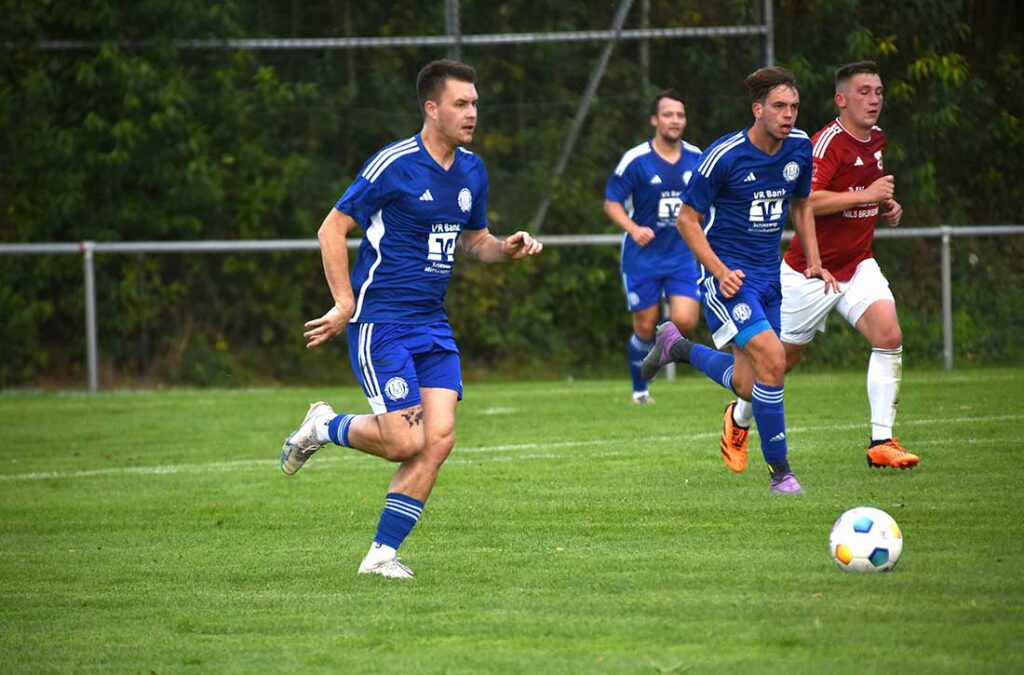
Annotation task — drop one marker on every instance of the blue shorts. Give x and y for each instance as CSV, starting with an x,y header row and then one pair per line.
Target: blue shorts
x,y
643,290
756,308
392,361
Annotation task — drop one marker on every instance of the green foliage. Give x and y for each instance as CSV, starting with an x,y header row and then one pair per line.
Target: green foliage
x,y
156,142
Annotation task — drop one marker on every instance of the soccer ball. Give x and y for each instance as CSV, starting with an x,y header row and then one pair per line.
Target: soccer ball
x,y
865,539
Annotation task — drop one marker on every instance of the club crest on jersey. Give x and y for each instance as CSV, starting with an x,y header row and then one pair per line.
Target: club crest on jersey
x,y
791,171
396,388
465,200
740,312
686,177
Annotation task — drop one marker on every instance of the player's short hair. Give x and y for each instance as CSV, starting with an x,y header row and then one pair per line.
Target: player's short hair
x,y
761,82
432,78
846,73
671,94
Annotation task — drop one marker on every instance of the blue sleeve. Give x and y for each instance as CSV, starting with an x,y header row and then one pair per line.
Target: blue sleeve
x,y
803,183
478,216
619,188
702,190
363,198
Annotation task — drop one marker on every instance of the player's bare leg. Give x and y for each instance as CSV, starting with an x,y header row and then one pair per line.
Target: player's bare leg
x,y
879,324
413,481
684,312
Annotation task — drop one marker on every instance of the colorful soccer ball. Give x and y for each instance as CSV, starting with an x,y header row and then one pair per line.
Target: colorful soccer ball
x,y
865,539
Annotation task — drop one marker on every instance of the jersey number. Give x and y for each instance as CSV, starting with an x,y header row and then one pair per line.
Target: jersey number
x,y
441,246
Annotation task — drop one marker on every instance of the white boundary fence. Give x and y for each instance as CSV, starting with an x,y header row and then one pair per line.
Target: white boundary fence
x,y
89,249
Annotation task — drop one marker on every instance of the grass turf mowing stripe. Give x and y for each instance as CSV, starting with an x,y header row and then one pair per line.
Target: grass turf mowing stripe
x,y
213,467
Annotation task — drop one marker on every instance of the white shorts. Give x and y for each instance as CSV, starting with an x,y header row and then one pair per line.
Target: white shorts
x,y
805,306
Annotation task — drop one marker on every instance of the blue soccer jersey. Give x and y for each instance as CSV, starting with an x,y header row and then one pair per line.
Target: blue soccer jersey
x,y
744,194
650,188
411,210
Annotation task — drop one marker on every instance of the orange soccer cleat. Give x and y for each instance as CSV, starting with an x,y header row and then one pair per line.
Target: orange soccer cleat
x,y
891,453
734,441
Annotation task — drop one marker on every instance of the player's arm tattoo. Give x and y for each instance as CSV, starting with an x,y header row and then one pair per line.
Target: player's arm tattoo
x,y
414,416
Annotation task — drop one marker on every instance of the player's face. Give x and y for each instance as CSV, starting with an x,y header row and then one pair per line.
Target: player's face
x,y
777,115
670,122
860,100
455,111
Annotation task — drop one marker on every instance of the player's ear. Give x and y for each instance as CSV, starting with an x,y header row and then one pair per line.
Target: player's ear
x,y
430,109
757,108
654,120
840,100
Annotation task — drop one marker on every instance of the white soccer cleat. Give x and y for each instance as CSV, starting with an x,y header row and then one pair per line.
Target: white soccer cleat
x,y
303,442
392,568
643,398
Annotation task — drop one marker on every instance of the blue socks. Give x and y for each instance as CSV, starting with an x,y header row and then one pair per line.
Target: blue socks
x,y
771,422
637,350
337,429
401,512
713,363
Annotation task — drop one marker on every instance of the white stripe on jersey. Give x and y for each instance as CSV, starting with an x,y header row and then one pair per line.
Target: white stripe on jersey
x,y
709,162
387,152
799,133
462,149
373,234
379,170
691,147
630,155
821,146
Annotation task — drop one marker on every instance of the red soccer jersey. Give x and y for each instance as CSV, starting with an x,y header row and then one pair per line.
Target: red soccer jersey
x,y
843,162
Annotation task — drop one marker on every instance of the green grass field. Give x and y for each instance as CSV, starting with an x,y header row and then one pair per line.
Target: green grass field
x,y
569,532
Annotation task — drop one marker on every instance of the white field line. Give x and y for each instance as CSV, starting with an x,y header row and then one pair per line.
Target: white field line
x,y
457,457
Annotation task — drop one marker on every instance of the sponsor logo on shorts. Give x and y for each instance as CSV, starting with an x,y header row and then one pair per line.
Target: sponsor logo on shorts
x,y
791,171
741,312
396,388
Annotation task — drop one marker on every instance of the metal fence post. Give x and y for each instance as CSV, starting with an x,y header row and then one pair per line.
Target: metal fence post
x,y
947,300
88,248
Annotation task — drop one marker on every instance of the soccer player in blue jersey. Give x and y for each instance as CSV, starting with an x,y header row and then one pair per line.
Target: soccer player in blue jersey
x,y
417,201
643,198
744,186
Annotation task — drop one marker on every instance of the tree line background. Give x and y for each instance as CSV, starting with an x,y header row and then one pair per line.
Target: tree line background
x,y
160,143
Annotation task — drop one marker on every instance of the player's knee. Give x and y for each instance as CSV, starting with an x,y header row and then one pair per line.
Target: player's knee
x,y
891,338
772,369
644,329
440,446
402,447
793,357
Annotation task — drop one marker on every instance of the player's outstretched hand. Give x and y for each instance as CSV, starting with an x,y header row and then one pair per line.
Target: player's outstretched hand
x,y
731,282
819,272
892,211
520,245
323,329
